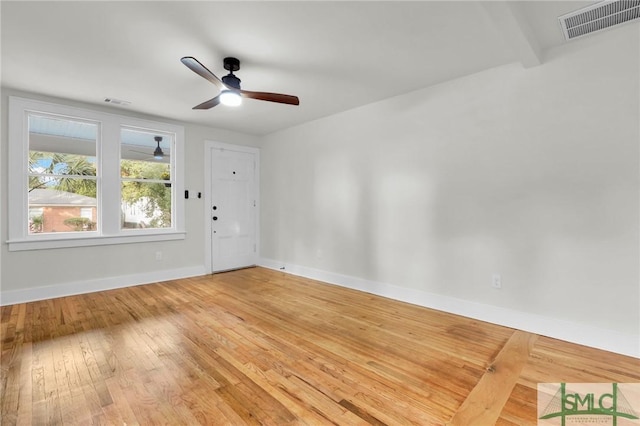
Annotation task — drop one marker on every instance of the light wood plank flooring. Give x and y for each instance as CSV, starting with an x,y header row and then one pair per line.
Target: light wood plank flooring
x,y
262,347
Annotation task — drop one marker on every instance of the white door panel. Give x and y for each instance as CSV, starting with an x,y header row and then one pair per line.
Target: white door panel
x,y
233,209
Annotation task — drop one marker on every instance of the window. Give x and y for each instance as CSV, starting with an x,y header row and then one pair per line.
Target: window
x,y
80,177
145,179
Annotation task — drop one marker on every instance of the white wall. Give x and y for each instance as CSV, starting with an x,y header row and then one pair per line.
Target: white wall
x,y
531,173
48,273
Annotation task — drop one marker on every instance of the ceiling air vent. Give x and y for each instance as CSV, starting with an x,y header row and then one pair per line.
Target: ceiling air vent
x,y
599,16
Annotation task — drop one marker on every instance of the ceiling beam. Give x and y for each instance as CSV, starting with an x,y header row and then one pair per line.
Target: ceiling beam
x,y
512,23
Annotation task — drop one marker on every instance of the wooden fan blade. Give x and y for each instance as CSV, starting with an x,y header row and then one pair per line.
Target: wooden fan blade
x,y
150,154
195,66
208,104
271,97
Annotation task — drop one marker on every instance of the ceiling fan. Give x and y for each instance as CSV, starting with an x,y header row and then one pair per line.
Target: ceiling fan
x,y
230,92
158,153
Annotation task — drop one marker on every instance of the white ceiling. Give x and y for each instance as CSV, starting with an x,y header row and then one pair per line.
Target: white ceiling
x,y
333,55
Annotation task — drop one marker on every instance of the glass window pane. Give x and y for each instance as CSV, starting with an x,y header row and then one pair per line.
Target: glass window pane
x,y
86,212
145,155
61,146
135,169
55,163
63,205
146,205
36,216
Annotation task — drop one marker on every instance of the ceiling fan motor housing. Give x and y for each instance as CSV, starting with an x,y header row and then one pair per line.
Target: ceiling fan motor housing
x,y
232,81
231,65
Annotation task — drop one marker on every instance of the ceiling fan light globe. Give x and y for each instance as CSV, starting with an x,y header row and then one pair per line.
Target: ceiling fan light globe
x,y
230,98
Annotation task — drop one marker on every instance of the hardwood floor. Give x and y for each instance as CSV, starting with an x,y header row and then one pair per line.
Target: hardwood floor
x,y
262,347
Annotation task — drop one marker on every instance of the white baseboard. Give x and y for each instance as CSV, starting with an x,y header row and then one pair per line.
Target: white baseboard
x,y
606,339
81,287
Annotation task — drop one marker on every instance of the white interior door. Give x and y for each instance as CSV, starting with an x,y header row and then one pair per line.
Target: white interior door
x,y
233,209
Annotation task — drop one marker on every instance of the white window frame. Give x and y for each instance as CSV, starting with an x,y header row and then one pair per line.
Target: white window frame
x,y
108,179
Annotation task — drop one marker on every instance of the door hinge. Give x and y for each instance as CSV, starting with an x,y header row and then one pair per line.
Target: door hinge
x,y
254,248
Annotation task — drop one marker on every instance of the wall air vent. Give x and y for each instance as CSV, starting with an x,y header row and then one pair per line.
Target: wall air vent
x,y
599,16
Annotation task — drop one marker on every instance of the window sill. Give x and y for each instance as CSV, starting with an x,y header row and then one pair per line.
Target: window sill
x,y
66,242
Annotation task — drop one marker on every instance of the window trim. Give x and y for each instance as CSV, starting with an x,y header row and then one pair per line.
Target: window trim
x,y
108,179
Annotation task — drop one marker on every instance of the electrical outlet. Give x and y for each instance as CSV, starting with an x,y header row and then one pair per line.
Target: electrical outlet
x,y
158,255
496,281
